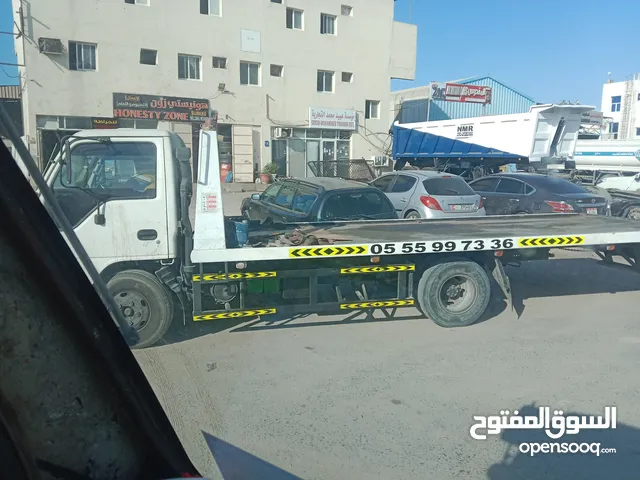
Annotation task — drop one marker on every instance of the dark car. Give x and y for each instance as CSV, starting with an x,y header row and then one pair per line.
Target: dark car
x,y
511,193
317,200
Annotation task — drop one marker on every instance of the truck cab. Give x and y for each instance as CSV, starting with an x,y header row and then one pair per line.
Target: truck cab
x,y
118,190
126,193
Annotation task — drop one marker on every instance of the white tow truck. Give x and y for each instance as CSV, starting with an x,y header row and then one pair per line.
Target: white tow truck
x,y
127,194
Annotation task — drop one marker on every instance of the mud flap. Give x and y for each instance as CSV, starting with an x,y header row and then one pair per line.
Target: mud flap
x,y
500,276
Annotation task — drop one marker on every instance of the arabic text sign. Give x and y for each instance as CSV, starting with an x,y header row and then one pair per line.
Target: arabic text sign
x,y
592,118
155,107
332,118
555,426
458,92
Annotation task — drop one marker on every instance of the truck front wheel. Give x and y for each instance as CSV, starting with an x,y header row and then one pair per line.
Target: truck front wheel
x,y
144,302
454,294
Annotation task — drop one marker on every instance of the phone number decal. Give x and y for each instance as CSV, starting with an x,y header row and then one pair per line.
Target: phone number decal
x,y
445,246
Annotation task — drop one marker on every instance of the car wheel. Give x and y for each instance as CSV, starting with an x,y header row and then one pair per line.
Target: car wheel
x,y
413,215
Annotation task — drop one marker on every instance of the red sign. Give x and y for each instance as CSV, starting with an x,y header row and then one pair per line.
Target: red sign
x,y
459,92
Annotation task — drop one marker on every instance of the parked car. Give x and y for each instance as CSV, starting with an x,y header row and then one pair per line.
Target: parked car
x,y
317,200
511,193
628,183
429,194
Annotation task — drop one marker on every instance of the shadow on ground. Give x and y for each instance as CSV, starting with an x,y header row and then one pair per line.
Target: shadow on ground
x,y
621,465
537,279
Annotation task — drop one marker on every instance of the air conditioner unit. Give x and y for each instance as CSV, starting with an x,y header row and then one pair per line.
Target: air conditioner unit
x,y
381,161
282,132
52,46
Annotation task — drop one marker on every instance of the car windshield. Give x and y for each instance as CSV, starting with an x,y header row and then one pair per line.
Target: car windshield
x,y
447,186
344,232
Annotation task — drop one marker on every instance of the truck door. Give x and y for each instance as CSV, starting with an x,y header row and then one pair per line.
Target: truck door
x,y
113,194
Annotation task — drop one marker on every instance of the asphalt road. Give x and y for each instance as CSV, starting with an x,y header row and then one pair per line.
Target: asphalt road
x,y
333,398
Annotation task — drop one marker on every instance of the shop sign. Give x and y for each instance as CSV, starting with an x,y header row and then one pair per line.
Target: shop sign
x,y
458,92
154,107
101,123
332,118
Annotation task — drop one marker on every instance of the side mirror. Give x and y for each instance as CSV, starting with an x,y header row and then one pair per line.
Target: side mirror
x,y
255,196
637,178
183,154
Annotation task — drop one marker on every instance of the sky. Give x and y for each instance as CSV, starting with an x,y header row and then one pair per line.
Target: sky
x,y
550,50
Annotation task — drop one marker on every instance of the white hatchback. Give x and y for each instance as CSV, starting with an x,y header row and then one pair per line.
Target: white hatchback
x,y
429,194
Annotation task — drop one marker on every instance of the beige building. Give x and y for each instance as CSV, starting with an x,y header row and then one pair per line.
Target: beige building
x,y
291,81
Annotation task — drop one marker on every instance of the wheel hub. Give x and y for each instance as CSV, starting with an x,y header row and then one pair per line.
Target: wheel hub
x,y
134,307
454,292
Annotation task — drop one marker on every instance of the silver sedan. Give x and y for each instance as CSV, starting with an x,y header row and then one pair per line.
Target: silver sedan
x,y
429,194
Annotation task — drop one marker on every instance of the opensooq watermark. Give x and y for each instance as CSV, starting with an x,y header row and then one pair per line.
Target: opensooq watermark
x,y
554,423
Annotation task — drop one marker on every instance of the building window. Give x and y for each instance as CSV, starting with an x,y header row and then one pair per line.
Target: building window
x,y
276,70
277,1
371,109
615,103
613,130
148,57
637,132
327,24
325,81
211,7
294,19
347,77
137,2
188,67
220,62
347,11
249,73
82,56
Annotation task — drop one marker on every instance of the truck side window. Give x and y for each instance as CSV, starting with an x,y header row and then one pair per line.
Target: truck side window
x,y
105,171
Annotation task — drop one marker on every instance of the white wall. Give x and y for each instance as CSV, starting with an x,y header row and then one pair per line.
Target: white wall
x,y
368,43
618,89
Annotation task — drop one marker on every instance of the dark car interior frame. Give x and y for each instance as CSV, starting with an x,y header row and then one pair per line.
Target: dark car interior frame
x,y
74,403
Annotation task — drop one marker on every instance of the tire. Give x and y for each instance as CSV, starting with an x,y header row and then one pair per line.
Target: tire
x,y
412,215
144,302
434,303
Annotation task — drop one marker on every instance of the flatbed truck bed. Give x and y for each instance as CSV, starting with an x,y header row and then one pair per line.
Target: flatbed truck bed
x,y
400,237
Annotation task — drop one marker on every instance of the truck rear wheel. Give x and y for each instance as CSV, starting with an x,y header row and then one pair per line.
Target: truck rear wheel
x,y
145,303
454,294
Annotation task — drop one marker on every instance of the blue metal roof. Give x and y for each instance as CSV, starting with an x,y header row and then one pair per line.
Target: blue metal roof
x,y
505,100
409,143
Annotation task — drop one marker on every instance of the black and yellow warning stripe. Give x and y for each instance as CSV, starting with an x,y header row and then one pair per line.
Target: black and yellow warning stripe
x,y
550,241
377,304
256,312
213,277
342,251
378,269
